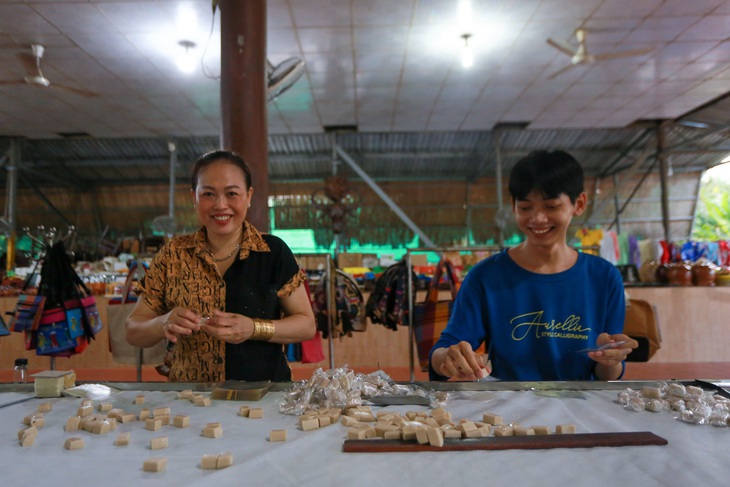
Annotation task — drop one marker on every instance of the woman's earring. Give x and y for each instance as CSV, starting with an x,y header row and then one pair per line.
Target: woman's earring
x,y
249,205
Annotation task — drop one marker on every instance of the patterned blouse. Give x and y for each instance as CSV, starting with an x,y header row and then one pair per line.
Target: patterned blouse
x,y
184,274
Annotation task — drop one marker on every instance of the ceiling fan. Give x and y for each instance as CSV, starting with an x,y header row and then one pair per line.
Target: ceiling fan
x,y
282,76
36,78
580,55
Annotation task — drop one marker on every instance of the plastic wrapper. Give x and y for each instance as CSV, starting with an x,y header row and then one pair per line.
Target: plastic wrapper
x,y
343,388
689,404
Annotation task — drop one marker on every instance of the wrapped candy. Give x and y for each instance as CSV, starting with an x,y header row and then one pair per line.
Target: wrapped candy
x,y
343,388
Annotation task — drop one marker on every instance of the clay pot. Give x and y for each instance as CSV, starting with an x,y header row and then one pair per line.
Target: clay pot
x,y
703,273
662,272
679,274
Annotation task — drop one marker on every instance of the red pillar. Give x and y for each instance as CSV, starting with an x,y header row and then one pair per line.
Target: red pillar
x,y
243,95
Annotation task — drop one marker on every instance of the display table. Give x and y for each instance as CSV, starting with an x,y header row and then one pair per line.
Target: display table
x,y
694,455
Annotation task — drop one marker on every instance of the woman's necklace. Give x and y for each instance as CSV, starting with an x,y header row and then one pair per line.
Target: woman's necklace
x,y
238,246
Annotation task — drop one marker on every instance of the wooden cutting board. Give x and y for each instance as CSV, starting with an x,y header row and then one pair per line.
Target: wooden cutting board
x,y
579,440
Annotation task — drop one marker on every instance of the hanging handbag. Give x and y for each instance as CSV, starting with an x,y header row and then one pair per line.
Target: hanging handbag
x,y
28,310
118,311
61,331
431,317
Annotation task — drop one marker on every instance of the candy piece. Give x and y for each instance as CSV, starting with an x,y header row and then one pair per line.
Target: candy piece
x,y
393,435
27,440
72,423
144,414
186,394
100,427
164,411
209,462
355,434
451,433
651,392
153,424
181,421
213,431
122,439
105,407
410,430
310,424
158,443
35,419
524,431
126,418
565,429
324,421
504,431
27,436
655,405
256,413
155,464
74,443
334,414
139,400
465,426
540,429
243,411
435,437
224,460
422,435
45,407
277,435
491,418
348,421
677,390
31,430
202,401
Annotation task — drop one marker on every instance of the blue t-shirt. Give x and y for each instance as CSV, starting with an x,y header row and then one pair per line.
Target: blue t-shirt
x,y
534,324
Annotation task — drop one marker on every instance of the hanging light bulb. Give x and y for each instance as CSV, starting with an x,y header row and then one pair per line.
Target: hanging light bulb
x,y
467,56
186,60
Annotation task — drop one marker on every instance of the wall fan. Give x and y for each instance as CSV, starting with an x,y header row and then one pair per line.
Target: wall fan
x,y
282,76
579,54
164,224
36,78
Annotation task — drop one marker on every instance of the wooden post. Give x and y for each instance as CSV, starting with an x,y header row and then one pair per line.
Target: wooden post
x,y
243,95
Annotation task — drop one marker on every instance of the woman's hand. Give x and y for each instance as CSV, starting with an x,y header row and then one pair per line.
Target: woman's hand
x,y
460,362
229,327
180,321
613,355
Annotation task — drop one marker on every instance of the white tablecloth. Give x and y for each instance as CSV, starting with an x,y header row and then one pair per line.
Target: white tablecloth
x,y
695,455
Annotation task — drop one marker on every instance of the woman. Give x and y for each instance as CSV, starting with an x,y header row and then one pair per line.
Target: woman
x,y
541,305
227,296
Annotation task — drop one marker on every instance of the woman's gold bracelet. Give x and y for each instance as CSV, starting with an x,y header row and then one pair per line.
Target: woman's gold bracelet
x,y
263,330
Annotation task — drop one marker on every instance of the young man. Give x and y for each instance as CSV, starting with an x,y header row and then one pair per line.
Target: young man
x,y
541,305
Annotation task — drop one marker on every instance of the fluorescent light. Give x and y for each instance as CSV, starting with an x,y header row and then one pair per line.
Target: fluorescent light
x,y
463,11
185,60
467,56
187,20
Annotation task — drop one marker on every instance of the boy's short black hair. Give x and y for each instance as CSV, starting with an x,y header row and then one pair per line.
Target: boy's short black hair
x,y
552,173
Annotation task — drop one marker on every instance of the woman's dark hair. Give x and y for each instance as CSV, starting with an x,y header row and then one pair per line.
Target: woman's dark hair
x,y
552,173
220,155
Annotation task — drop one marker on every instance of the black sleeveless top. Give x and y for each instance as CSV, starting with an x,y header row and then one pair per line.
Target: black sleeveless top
x,y
251,290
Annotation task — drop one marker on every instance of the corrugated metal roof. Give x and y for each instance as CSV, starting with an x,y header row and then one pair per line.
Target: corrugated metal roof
x,y
383,156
